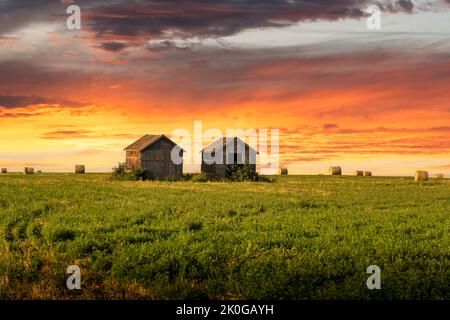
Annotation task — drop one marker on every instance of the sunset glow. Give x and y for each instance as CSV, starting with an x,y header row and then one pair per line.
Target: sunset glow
x,y
339,93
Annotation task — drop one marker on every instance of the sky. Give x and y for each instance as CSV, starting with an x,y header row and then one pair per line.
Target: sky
x,y
339,92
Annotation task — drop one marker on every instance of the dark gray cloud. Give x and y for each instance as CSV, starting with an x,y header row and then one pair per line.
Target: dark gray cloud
x,y
17,14
212,18
12,102
113,46
407,5
152,19
169,45
24,83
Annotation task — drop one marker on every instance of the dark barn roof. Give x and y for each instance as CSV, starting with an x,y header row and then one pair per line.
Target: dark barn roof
x,y
223,142
146,141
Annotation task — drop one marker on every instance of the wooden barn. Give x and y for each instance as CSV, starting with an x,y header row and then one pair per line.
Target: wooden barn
x,y
230,151
153,153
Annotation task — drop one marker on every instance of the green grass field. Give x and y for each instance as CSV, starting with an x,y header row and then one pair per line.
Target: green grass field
x,y
300,237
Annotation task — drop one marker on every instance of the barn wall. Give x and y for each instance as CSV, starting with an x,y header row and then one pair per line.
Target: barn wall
x,y
157,161
219,170
133,159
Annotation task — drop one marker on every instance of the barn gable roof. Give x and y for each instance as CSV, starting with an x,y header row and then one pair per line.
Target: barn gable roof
x,y
145,142
223,142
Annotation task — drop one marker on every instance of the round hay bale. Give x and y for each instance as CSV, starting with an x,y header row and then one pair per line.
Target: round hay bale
x,y
283,171
439,176
80,169
28,170
39,171
335,171
4,170
421,175
367,173
359,173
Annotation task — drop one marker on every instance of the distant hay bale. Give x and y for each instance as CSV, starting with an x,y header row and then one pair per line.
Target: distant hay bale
x,y
359,173
439,176
421,175
367,173
28,170
335,171
283,171
39,171
4,170
80,169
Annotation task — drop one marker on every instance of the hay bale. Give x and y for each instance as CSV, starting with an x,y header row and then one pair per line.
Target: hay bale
x,y
283,171
359,173
39,171
439,176
421,175
28,170
335,171
367,173
4,170
80,169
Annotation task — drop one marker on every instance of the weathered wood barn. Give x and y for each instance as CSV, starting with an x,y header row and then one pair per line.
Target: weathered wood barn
x,y
227,151
153,153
